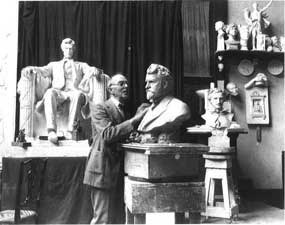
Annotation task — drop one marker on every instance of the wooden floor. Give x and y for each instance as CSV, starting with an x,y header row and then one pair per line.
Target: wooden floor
x,y
252,212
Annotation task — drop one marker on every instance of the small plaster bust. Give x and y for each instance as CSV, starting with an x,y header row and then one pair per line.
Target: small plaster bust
x,y
233,37
216,117
232,89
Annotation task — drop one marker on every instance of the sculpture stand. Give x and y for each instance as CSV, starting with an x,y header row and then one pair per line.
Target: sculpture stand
x,y
163,178
221,163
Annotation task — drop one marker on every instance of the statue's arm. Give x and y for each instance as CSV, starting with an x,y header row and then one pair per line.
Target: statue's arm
x,y
89,71
267,6
44,71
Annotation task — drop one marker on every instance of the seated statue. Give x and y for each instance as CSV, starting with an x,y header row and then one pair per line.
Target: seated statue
x,y
166,114
216,117
55,84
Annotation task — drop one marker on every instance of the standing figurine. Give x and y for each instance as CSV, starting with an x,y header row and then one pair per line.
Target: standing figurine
x,y
219,27
257,21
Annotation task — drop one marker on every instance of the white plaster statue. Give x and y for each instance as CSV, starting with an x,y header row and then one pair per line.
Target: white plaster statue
x,y
166,115
244,36
233,42
219,27
216,116
257,20
59,82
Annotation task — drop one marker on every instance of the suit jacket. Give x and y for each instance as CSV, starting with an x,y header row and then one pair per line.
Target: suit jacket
x,y
55,70
165,119
104,160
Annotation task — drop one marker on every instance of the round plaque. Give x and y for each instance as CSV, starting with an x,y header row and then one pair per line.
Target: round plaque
x,y
275,67
245,67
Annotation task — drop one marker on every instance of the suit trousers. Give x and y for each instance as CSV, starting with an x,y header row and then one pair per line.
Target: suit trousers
x,y
108,206
54,97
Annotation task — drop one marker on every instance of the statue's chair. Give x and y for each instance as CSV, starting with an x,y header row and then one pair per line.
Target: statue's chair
x,y
29,190
32,88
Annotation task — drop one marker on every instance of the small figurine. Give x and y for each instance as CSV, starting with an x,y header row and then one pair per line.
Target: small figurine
x,y
219,27
244,36
21,136
282,43
232,43
275,45
21,140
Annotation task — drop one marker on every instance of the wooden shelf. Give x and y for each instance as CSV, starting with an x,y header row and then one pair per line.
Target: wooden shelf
x,y
251,54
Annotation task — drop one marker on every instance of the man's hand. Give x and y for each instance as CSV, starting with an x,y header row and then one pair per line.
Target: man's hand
x,y
142,107
141,111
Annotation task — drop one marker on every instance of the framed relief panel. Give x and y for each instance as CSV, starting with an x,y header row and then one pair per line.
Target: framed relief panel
x,y
257,108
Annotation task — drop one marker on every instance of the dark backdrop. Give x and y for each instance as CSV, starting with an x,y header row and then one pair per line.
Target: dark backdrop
x,y
117,36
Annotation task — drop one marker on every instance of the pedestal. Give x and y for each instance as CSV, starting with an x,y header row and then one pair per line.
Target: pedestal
x,y
163,178
167,162
146,197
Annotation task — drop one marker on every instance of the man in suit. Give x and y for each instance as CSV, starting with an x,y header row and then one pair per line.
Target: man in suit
x,y
104,171
66,77
164,118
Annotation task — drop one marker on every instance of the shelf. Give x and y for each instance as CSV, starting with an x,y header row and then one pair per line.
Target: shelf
x,y
251,54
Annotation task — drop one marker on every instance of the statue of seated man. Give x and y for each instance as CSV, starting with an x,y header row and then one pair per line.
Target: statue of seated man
x,y
216,117
66,78
166,114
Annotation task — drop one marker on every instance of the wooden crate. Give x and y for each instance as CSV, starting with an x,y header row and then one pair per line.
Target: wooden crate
x,y
146,197
177,161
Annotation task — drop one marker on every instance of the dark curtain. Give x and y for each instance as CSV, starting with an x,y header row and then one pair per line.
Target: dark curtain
x,y
156,37
195,17
117,36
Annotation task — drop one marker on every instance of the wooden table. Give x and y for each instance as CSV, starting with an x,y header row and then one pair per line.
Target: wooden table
x,y
66,200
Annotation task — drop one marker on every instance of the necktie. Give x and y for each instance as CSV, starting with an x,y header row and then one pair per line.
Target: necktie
x,y
122,109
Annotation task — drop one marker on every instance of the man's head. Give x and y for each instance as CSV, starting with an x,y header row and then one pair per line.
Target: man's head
x,y
68,48
118,87
216,98
158,82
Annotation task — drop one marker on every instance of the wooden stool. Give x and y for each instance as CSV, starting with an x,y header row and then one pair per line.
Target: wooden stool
x,y
218,166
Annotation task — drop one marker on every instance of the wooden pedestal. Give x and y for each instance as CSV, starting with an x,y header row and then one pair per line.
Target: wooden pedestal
x,y
146,197
165,162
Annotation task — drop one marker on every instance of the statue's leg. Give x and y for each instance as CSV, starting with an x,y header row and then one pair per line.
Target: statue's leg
x,y
77,99
50,105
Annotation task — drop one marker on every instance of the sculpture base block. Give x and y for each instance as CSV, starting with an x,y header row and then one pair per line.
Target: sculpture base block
x,y
145,197
174,162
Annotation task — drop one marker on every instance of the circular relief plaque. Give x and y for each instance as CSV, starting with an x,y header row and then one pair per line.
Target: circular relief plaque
x,y
275,67
245,67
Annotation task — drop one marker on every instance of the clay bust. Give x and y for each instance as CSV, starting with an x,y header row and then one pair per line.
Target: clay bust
x,y
233,37
216,117
65,85
165,116
219,27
